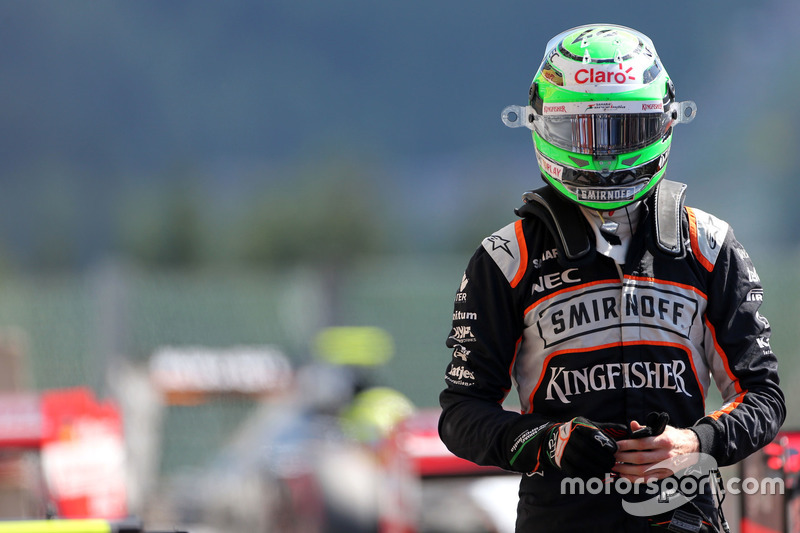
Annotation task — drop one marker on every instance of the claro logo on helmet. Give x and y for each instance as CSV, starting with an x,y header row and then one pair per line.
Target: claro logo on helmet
x,y
592,75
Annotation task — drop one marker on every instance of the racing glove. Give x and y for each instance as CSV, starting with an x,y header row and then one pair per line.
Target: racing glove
x,y
655,424
579,447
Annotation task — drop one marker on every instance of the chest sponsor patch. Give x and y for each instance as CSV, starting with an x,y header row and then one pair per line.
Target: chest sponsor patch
x,y
562,383
597,308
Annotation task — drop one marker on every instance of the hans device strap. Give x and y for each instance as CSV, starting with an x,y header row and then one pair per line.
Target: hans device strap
x,y
564,221
574,240
668,203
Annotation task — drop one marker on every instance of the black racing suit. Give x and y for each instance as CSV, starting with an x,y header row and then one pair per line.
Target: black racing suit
x,y
610,343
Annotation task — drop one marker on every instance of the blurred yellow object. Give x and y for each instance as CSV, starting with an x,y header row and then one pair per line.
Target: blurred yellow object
x,y
90,525
374,412
354,345
57,526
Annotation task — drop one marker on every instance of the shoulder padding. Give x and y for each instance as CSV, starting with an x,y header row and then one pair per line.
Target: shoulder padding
x,y
507,248
707,233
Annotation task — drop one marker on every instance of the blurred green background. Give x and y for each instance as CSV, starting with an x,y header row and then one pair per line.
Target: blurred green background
x,y
226,173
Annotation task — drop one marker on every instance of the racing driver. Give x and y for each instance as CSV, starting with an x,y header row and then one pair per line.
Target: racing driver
x,y
609,305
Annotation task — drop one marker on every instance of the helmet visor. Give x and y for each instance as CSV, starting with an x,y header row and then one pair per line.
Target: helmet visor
x,y
603,134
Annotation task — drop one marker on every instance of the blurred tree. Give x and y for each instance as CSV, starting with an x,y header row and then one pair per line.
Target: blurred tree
x,y
54,220
161,226
328,213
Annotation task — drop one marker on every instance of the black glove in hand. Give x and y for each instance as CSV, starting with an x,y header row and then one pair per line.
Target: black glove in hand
x,y
580,448
655,424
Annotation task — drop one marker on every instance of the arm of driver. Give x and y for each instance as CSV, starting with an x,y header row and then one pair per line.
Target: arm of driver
x,y
636,457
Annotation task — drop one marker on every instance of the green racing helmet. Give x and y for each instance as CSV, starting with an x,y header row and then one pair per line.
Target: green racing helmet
x,y
601,108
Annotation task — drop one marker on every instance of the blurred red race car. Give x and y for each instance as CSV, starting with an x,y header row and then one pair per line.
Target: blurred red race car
x,y
62,454
427,489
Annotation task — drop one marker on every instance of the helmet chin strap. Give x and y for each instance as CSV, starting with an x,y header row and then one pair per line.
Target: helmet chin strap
x,y
611,219
608,226
613,229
